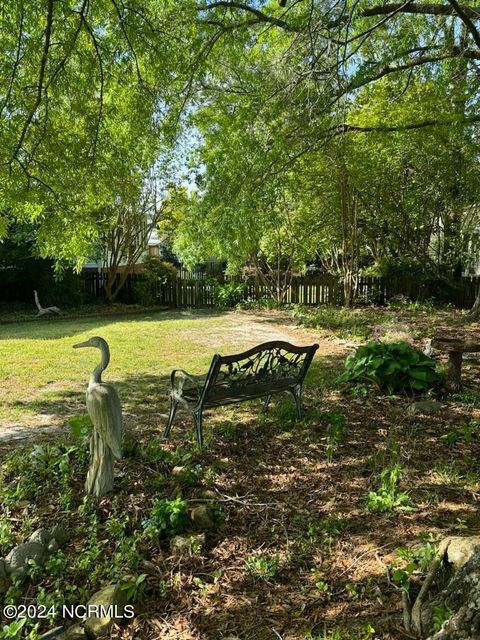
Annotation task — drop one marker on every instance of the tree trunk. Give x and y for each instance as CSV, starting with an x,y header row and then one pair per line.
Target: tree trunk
x,y
108,286
461,597
458,602
454,380
348,205
474,312
112,291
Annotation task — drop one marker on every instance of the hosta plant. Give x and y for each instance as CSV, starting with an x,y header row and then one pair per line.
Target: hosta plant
x,y
392,366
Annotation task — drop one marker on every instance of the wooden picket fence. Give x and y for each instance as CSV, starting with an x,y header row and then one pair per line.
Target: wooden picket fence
x,y
196,291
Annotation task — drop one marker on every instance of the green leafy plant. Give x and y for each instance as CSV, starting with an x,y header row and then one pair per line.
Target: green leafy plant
x,y
440,615
320,583
116,526
470,397
388,498
410,561
154,452
316,533
394,366
6,535
335,433
80,425
134,587
451,437
13,630
168,517
262,567
465,432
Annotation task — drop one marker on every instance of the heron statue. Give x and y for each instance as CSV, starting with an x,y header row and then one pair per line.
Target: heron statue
x,y
45,311
105,411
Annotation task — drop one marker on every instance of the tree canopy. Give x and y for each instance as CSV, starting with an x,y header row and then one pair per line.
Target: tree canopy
x,y
90,99
326,132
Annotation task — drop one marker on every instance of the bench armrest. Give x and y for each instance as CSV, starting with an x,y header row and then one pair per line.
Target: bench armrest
x,y
178,379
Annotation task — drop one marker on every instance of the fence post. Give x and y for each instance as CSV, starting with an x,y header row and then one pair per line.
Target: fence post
x,y
294,290
197,302
175,293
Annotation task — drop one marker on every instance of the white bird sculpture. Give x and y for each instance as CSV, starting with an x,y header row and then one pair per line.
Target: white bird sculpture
x,y
428,349
105,411
44,311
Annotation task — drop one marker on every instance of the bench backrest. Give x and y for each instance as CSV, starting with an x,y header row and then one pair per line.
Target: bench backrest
x,y
268,366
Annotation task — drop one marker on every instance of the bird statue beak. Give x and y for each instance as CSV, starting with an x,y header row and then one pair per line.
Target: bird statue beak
x,y
79,345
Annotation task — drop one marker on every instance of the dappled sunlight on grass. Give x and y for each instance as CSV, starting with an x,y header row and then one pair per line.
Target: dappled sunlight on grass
x,y
41,373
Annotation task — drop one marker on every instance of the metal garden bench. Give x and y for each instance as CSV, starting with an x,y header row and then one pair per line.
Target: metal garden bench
x,y
269,368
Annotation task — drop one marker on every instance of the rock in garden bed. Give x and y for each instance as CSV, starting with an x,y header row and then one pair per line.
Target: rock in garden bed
x,y
202,518
39,546
113,599
185,545
425,406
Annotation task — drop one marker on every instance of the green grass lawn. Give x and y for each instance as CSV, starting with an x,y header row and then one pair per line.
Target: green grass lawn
x,y
40,370
43,375
44,378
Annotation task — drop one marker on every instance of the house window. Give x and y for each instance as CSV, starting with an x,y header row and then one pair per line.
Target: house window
x,y
153,250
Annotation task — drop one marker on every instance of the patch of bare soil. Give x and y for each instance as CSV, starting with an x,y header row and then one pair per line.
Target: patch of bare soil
x,y
243,326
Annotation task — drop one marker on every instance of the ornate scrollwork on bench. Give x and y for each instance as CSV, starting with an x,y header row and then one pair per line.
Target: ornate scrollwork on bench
x,y
272,364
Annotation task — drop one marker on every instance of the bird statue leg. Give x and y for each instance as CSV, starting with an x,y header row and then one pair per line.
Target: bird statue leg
x,y
100,473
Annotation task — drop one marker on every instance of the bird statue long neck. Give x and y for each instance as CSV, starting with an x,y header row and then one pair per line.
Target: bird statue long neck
x,y
37,301
96,376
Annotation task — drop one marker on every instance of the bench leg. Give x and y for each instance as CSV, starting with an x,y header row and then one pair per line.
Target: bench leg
x,y
198,417
266,402
171,416
297,394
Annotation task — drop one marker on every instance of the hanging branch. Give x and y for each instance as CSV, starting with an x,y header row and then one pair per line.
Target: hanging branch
x,y
98,54
16,62
467,20
129,43
40,83
61,65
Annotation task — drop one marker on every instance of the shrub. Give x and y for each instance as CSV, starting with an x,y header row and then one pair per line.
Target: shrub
x,y
394,366
156,272
227,295
344,322
264,303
